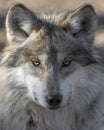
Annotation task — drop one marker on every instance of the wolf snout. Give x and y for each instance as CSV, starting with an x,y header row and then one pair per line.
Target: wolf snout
x,y
54,100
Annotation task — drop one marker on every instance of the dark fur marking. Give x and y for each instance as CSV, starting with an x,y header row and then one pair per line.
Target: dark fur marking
x,y
31,124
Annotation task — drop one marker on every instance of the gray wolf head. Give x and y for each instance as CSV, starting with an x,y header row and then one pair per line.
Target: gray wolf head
x,y
49,54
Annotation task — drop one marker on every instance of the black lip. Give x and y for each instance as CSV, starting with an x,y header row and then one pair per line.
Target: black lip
x,y
54,108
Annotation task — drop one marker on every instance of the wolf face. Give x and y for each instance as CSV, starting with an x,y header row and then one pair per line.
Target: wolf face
x,y
49,54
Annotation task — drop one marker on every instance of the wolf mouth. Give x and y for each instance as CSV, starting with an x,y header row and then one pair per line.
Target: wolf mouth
x,y
54,108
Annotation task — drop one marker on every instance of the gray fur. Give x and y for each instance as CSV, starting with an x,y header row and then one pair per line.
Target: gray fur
x,y
24,86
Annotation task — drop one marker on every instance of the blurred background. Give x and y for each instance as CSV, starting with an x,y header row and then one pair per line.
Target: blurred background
x,y
51,5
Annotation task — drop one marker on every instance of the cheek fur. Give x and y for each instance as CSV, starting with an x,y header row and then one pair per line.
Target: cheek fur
x,y
35,86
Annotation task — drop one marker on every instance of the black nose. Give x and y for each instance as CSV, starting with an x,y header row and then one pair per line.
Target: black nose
x,y
54,100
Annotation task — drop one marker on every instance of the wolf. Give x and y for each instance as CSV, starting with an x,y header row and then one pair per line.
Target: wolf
x,y
51,74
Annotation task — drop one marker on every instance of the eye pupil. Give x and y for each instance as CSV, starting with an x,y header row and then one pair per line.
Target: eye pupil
x,y
35,62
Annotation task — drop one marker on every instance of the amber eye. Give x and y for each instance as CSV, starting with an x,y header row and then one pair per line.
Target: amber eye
x,y
67,62
35,62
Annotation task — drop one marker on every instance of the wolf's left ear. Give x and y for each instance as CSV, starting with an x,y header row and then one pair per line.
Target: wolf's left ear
x,y
83,22
20,22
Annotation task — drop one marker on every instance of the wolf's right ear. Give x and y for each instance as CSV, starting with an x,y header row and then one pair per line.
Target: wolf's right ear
x,y
82,22
20,22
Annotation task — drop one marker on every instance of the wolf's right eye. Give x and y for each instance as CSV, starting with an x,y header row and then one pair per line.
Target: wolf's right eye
x,y
35,62
67,62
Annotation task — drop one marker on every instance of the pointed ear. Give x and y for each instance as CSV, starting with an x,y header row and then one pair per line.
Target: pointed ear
x,y
83,22
20,22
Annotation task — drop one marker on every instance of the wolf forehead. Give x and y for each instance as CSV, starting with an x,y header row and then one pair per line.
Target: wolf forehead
x,y
48,40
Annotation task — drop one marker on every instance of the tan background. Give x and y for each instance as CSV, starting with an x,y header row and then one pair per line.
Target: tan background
x,y
50,5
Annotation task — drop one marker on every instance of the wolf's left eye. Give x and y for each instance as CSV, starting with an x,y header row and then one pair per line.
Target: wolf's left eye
x,y
67,62
35,62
